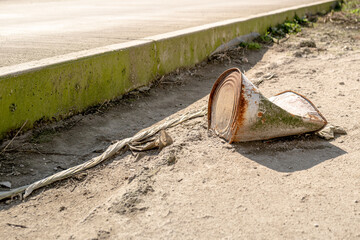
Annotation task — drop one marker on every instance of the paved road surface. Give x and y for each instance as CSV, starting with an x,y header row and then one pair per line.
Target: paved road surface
x,y
35,29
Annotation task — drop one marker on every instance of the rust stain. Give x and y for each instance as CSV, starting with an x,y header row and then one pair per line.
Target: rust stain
x,y
217,83
240,113
313,117
260,114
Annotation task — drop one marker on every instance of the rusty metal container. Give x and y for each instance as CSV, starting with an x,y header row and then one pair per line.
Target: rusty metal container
x,y
238,112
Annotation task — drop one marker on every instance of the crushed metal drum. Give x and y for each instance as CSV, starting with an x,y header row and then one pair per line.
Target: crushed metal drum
x,y
238,112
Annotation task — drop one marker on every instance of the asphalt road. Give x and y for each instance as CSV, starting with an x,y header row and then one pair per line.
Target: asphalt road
x,y
32,30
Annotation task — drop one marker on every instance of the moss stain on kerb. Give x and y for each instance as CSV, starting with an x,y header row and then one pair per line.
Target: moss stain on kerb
x,y
67,88
64,89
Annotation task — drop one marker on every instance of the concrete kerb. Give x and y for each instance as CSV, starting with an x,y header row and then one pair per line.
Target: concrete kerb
x,y
57,87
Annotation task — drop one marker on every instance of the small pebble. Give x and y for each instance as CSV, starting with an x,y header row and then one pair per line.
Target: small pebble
x,y
316,225
356,201
227,146
341,83
308,43
298,54
346,48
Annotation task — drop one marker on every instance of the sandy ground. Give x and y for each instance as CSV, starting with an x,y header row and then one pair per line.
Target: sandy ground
x,y
201,187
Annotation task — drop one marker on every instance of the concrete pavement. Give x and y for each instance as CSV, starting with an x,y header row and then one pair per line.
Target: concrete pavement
x,y
32,30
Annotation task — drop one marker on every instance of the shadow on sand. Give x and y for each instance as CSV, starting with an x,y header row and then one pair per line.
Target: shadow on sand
x,y
290,154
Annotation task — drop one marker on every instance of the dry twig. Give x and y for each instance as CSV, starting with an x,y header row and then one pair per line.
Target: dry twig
x,y
14,137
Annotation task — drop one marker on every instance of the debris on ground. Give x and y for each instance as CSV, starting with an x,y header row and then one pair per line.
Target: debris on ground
x,y
238,112
159,141
248,38
330,131
307,43
6,184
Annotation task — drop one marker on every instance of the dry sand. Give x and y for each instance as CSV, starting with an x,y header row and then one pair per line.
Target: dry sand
x,y
201,187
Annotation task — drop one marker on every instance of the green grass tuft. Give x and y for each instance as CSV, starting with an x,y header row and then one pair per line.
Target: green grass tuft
x,y
350,7
288,27
251,45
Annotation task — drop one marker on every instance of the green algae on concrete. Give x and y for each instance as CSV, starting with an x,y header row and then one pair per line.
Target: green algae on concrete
x,y
63,89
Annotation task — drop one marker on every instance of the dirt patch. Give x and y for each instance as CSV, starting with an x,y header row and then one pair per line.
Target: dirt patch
x,y
200,186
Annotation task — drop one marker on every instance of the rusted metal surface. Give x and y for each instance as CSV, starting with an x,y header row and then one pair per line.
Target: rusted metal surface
x,y
226,104
238,112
